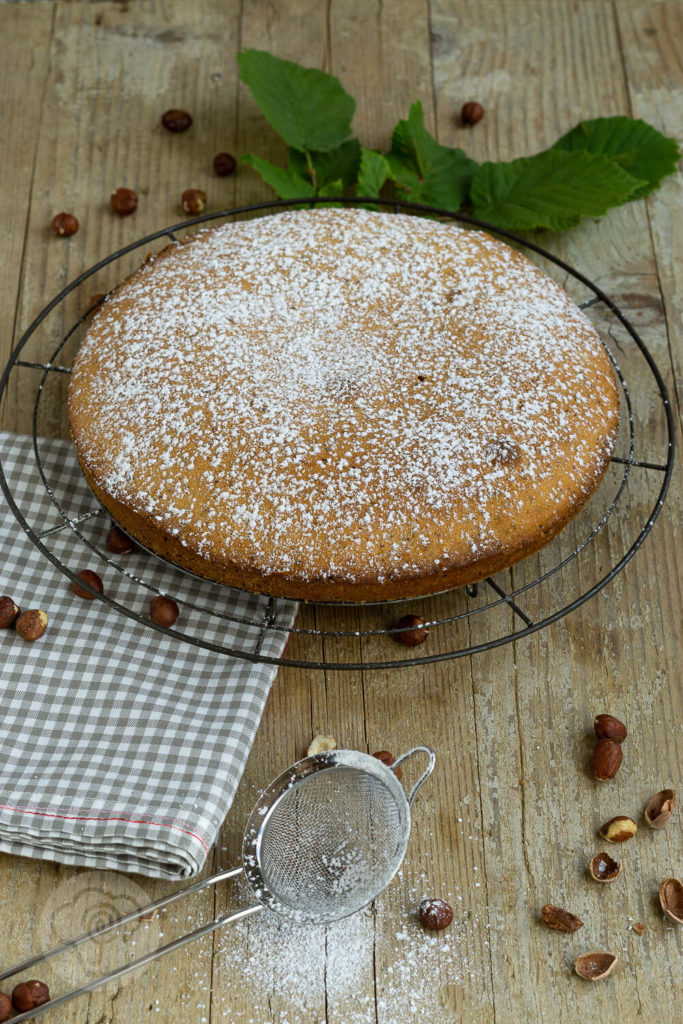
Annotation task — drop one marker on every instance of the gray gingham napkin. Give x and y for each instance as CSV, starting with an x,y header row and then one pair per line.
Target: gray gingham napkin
x,y
119,746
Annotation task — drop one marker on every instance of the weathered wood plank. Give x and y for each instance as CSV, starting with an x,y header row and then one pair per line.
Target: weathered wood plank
x,y
538,70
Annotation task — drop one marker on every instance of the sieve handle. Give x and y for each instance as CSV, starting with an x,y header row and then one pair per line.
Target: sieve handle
x,y
426,773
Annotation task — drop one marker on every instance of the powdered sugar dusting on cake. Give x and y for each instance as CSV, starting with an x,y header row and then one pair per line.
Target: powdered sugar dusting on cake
x,y
346,375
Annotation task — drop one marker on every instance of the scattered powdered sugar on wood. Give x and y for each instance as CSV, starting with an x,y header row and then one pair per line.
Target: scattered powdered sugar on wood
x,y
381,381
359,971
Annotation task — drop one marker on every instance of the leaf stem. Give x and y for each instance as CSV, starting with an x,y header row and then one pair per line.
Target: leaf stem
x,y
311,171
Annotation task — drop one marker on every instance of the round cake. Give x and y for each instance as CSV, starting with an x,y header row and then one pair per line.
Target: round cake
x,y
342,405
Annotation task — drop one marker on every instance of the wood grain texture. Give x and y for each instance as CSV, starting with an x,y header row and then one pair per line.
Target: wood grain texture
x,y
508,822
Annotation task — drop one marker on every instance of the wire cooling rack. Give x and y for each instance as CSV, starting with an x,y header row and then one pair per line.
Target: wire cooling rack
x,y
509,606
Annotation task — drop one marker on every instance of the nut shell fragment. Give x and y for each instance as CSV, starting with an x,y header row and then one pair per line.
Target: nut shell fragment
x,y
671,899
320,744
559,919
596,965
618,829
660,808
603,868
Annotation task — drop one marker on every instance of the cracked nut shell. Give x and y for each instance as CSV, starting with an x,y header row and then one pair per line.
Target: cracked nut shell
x,y
671,899
660,808
388,759
596,965
414,631
5,1007
9,612
31,624
435,914
604,868
163,610
618,829
91,579
321,743
559,919
607,727
607,758
193,200
29,994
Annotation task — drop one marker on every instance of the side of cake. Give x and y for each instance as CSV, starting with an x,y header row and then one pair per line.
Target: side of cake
x,y
342,405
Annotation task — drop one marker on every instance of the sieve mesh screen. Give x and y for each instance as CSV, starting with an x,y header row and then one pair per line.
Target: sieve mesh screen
x,y
331,843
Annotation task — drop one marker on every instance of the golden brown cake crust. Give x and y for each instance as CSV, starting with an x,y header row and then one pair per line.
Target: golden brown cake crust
x,y
342,405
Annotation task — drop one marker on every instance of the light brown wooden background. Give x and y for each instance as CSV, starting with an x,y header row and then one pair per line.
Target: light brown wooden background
x,y
82,87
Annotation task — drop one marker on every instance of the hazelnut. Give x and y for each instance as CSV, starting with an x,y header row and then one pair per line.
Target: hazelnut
x,y
435,914
618,829
660,808
193,200
176,120
607,758
163,611
92,580
224,164
638,927
9,612
64,224
607,727
31,624
559,919
595,966
124,201
471,113
671,899
603,868
414,631
319,744
29,994
5,1007
388,759
118,542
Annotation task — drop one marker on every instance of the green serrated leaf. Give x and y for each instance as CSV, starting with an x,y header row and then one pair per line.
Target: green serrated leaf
x,y
555,190
374,171
286,181
307,107
339,164
423,169
637,147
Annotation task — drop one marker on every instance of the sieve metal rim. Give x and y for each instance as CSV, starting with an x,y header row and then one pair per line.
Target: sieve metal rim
x,y
294,776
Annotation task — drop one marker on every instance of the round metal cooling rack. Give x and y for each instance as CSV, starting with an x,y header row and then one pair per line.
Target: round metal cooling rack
x,y
376,623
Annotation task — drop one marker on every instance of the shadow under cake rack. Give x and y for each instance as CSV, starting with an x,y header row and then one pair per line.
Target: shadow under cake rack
x,y
534,593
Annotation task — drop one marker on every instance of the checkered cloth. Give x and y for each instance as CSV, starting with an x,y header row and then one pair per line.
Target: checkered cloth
x,y
120,747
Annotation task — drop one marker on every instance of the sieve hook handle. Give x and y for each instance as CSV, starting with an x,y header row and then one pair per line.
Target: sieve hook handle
x,y
425,774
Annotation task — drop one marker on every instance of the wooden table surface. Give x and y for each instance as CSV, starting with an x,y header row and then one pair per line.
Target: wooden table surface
x,y
508,822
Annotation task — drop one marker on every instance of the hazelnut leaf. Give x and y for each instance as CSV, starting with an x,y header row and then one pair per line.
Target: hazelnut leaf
x,y
423,169
340,164
374,171
555,189
635,145
286,181
308,108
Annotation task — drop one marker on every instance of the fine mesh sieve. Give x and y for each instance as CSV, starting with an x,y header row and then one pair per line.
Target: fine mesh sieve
x,y
329,834
324,839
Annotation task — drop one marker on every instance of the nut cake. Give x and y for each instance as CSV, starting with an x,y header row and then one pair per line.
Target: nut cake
x,y
342,405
